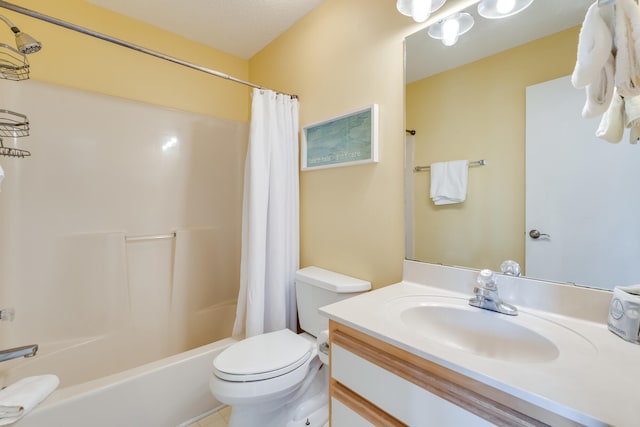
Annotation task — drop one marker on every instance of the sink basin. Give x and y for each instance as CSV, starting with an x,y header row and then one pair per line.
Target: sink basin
x,y
481,332
453,323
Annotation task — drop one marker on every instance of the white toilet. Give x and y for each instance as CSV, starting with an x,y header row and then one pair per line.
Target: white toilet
x,y
279,379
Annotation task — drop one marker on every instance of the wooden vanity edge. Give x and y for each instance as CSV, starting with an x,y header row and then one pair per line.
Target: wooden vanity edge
x,y
489,403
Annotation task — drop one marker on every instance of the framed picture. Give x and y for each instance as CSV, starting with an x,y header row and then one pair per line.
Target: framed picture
x,y
349,139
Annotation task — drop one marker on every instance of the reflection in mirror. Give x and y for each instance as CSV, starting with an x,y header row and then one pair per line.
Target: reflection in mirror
x,y
469,101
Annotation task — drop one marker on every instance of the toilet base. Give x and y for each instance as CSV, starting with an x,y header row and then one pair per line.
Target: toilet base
x,y
318,418
311,406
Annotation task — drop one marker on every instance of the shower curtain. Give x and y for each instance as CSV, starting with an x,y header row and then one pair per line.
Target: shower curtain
x,y
270,218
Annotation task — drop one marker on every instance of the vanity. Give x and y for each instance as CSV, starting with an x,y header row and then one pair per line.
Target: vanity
x,y
415,353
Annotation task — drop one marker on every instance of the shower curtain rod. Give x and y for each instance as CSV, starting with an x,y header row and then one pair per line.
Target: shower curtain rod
x,y
123,43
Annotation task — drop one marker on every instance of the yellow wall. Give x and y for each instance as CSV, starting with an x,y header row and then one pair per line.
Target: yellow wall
x,y
344,55
72,59
348,54
476,112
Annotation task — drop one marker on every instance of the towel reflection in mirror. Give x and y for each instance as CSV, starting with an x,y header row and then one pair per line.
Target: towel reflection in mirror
x,y
608,68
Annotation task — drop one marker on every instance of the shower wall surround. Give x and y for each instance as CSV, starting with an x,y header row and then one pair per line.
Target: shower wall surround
x,y
103,168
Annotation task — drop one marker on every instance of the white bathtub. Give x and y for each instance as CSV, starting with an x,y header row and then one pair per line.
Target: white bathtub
x,y
165,393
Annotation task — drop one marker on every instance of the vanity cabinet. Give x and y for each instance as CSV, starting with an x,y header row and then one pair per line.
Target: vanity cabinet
x,y
374,383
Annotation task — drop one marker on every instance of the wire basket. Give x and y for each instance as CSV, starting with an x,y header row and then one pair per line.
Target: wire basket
x,y
13,64
13,152
13,125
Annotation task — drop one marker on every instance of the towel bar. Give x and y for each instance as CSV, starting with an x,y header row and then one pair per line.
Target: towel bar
x,y
475,163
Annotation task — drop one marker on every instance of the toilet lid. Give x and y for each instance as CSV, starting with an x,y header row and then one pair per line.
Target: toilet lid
x,y
262,357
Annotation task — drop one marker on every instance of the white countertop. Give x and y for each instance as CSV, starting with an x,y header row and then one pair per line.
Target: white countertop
x,y
593,381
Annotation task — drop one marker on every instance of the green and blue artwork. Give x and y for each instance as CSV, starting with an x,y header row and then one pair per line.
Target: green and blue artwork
x,y
344,140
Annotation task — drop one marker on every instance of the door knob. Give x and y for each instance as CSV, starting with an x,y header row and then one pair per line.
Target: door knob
x,y
535,234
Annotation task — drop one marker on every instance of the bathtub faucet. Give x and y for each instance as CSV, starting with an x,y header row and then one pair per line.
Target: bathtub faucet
x,y
14,353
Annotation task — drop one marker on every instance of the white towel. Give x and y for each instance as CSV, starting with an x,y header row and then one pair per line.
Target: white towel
x,y
632,111
600,92
449,182
611,125
627,74
1,175
594,47
21,397
634,135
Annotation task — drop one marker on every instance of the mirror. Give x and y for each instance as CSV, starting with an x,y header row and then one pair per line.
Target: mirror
x,y
468,101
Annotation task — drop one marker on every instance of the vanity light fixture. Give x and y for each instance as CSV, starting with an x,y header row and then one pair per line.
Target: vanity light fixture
x,y
451,28
419,10
496,9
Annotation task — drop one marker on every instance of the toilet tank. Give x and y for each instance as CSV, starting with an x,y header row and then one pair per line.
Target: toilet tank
x,y
316,287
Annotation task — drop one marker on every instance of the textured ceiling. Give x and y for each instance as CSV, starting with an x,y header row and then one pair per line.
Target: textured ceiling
x,y
239,27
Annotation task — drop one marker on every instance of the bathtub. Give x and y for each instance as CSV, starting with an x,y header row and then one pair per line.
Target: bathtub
x,y
170,392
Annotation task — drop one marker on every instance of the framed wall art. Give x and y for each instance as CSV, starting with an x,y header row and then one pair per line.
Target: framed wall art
x,y
349,139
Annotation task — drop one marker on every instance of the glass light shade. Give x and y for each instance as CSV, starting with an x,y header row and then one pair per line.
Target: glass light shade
x,y
444,30
405,7
436,4
419,10
497,9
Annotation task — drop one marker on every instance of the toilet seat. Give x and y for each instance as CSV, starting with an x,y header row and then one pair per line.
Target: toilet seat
x,y
263,357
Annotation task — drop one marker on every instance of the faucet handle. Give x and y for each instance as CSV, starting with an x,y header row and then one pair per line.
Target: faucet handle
x,y
510,267
487,279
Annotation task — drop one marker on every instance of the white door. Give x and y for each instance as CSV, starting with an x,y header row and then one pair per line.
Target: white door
x,y
582,191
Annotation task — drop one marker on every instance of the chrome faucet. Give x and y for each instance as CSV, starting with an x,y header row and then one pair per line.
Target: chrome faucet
x,y
510,268
14,353
486,295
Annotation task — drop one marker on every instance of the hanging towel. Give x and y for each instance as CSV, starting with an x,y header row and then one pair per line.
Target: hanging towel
x,y
600,92
594,47
449,182
634,135
627,67
632,111
611,125
21,397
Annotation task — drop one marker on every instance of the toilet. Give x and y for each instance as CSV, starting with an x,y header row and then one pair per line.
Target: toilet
x,y
280,379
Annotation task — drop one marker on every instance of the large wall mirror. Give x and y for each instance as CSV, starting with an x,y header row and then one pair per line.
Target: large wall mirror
x,y
476,100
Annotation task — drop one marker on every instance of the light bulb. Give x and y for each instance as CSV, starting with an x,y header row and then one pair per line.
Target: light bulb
x,y
421,10
505,6
450,30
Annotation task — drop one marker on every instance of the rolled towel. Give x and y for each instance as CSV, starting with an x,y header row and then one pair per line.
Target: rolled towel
x,y
634,135
627,67
449,182
611,126
21,397
600,92
632,111
594,47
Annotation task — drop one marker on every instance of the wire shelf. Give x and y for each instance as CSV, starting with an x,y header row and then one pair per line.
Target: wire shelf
x,y
13,152
13,64
13,125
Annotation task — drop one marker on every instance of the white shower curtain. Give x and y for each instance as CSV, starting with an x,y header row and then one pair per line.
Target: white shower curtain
x,y
270,218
